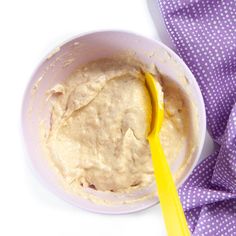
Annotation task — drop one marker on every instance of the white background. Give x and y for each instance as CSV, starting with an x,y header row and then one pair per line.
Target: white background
x,y
29,30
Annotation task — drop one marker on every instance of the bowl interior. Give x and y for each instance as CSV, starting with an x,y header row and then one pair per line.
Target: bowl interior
x,y
65,60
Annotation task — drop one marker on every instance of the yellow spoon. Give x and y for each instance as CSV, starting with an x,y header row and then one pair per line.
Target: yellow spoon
x,y
172,210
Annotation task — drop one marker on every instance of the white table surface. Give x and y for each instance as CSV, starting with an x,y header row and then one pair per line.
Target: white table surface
x,y
29,30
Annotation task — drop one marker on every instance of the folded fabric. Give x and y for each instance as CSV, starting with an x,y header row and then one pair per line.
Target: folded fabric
x,y
204,34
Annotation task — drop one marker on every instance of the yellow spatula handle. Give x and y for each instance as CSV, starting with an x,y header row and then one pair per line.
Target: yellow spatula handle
x,y
172,210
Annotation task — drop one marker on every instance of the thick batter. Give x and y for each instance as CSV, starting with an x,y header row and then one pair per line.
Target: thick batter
x,y
100,119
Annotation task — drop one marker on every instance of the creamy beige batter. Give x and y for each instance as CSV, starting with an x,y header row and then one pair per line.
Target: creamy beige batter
x,y
100,118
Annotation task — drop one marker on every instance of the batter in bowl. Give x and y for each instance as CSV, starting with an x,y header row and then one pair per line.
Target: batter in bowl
x,y
100,119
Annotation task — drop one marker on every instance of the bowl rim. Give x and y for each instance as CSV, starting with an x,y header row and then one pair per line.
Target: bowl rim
x,y
188,74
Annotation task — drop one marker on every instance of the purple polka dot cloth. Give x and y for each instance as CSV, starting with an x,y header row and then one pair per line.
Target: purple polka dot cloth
x,y
204,34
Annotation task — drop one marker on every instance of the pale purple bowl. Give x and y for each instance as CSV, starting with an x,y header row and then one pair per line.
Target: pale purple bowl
x,y
61,63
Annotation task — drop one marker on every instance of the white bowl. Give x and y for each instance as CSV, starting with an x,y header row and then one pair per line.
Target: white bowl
x,y
61,63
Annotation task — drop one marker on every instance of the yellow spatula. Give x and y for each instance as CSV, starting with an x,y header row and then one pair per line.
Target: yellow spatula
x,y
172,210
